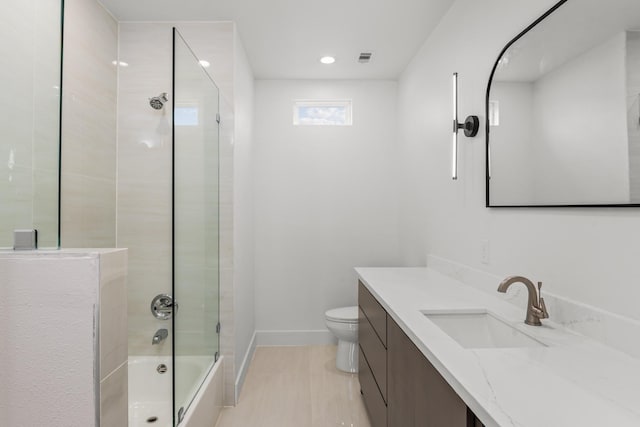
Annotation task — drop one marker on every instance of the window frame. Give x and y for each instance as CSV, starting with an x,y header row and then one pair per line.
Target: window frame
x,y
346,103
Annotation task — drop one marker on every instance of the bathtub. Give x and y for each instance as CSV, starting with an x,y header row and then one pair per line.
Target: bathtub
x,y
150,392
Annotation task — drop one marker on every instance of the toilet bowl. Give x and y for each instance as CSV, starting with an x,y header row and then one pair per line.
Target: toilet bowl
x,y
343,323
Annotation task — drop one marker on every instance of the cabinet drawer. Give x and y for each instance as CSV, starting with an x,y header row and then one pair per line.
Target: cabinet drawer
x,y
376,408
374,352
374,312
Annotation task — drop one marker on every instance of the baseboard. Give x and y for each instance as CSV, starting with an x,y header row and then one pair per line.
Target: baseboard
x,y
293,338
242,372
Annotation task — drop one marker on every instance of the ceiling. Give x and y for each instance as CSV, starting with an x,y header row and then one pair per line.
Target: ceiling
x,y
284,39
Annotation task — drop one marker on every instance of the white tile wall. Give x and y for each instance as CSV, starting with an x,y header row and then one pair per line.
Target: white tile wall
x,y
113,311
144,171
114,404
55,306
88,185
30,120
144,176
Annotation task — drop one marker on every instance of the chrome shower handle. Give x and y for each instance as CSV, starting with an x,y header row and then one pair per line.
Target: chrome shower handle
x,y
163,306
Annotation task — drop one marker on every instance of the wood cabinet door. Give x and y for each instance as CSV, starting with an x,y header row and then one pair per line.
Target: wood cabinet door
x,y
417,394
376,408
376,315
374,352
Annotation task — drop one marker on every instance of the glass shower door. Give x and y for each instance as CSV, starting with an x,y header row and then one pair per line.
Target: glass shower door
x,y
31,49
196,225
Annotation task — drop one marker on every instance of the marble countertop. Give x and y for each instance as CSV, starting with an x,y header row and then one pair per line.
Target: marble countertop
x,y
572,381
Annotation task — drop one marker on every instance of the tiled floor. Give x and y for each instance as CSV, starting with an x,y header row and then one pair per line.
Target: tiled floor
x,y
297,387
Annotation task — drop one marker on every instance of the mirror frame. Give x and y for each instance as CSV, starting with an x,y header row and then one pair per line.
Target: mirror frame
x,y
487,131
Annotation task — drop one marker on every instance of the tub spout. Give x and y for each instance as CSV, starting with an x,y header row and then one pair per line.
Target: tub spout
x,y
159,336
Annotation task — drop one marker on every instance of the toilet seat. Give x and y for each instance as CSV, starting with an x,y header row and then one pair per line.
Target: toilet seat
x,y
343,314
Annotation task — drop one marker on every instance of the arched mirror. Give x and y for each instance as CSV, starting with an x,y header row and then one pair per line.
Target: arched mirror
x,y
563,109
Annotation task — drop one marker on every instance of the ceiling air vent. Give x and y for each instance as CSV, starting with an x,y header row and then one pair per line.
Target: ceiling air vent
x,y
364,57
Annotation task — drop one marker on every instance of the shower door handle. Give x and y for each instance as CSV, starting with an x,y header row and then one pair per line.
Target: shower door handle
x,y
163,306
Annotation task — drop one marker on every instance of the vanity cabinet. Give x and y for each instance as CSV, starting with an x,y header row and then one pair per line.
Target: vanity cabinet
x,y
372,362
418,395
399,386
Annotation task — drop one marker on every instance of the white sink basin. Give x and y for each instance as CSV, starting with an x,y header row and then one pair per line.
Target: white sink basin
x,y
480,329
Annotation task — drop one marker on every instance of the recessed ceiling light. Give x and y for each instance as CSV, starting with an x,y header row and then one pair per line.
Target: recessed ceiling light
x,y
204,63
327,59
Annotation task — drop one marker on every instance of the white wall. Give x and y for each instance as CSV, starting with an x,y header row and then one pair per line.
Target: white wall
x,y
325,202
589,255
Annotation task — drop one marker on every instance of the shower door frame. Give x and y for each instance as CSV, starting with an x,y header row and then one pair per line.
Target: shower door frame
x,y
179,411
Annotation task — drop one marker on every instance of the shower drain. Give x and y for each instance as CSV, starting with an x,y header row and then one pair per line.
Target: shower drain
x,y
162,368
152,419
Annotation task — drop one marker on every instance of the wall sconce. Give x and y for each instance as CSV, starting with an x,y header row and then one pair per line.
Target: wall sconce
x,y
470,126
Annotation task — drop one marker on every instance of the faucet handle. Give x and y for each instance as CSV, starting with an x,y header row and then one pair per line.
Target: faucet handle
x,y
540,294
163,306
541,311
544,314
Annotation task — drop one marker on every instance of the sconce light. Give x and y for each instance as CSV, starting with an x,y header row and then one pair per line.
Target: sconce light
x,y
470,126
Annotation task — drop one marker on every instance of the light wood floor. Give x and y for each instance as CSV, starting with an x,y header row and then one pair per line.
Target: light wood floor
x,y
297,387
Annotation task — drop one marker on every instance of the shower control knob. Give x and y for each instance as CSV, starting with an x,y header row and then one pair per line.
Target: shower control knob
x,y
163,306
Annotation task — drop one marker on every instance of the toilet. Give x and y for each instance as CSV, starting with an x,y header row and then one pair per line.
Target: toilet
x,y
343,324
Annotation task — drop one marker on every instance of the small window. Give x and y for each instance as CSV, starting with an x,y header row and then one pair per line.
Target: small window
x,y
185,115
322,113
494,113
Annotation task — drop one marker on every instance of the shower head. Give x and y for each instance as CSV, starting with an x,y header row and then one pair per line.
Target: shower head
x,y
157,102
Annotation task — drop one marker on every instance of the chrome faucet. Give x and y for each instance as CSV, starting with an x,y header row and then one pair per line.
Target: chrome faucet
x,y
159,336
536,309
